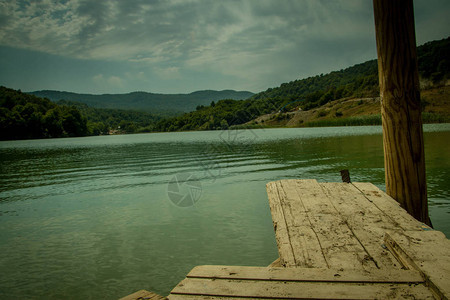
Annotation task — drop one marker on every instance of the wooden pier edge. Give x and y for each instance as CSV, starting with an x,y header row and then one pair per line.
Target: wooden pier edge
x,y
143,294
239,282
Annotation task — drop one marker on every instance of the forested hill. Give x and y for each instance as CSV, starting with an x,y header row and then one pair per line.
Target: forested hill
x,y
147,101
24,116
358,81
362,79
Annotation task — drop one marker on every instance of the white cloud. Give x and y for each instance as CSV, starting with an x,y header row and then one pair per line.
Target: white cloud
x,y
135,76
108,83
98,78
162,31
251,41
115,81
168,73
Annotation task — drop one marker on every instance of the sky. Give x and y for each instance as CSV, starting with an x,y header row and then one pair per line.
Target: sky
x,y
181,46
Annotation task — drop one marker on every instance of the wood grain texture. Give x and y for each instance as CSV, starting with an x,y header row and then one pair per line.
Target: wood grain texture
x,y
285,250
256,289
365,220
398,216
306,274
143,294
305,218
427,251
400,106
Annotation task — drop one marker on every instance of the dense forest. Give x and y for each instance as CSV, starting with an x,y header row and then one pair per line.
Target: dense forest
x,y
354,82
25,116
103,120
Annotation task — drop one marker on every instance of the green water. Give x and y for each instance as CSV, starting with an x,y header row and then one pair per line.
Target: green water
x,y
94,218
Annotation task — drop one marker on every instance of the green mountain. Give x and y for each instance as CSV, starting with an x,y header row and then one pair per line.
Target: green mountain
x,y
25,116
146,101
358,81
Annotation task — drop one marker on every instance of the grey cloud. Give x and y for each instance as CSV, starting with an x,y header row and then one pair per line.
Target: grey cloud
x,y
159,25
432,19
97,15
248,40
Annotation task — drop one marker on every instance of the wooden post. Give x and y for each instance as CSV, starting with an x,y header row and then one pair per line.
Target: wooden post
x,y
400,106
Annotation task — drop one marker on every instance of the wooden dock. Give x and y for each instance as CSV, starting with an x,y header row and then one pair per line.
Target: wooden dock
x,y
335,241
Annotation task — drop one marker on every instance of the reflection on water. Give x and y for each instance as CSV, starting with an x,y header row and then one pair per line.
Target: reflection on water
x,y
90,218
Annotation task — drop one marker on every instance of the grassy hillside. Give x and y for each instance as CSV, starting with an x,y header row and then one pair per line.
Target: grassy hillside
x,y
357,111
149,102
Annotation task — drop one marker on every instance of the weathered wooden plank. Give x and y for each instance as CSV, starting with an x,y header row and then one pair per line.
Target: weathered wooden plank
x,y
428,252
365,220
276,263
303,238
293,228
306,274
353,204
143,294
279,224
298,290
339,245
312,196
400,217
288,186
294,212
297,242
312,227
201,297
306,247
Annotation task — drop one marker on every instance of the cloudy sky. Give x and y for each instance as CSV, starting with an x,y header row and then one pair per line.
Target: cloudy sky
x,y
180,46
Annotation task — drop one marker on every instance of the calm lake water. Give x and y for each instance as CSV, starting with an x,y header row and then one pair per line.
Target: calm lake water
x,y
102,217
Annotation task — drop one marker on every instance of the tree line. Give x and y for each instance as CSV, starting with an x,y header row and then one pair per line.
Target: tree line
x,y
25,116
103,120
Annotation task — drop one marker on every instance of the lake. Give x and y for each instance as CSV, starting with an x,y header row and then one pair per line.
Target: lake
x,y
102,217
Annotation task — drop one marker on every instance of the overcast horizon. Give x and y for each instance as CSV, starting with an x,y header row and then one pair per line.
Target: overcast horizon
x,y
184,46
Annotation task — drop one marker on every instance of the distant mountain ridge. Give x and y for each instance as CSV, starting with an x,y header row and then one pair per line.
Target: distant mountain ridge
x,y
145,101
